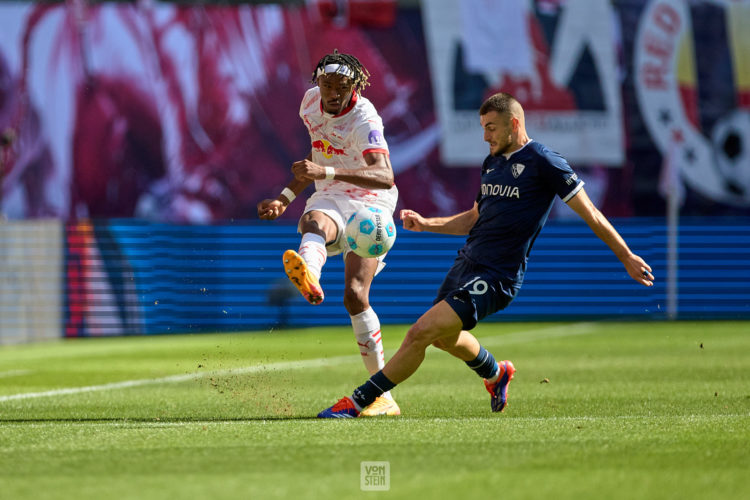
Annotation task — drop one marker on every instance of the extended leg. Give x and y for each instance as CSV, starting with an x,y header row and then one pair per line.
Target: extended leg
x,y
359,273
303,269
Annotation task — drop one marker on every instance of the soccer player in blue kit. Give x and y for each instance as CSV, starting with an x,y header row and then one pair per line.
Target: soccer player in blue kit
x,y
520,179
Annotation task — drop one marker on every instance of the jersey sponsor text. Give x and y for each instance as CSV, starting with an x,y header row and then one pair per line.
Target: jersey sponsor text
x,y
501,190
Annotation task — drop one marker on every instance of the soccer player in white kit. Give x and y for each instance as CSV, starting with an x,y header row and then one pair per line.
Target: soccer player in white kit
x,y
350,165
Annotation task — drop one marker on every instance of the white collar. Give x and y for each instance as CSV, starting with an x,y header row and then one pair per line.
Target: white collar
x,y
508,155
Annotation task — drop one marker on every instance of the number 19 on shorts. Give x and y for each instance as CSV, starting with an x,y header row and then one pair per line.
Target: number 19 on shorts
x,y
476,286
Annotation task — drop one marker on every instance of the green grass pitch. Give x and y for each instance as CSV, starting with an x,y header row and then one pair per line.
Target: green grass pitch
x,y
597,410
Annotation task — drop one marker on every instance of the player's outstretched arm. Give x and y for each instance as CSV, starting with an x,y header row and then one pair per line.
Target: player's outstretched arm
x,y
458,224
270,209
634,265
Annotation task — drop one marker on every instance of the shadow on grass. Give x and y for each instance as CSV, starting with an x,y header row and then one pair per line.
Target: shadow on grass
x,y
152,420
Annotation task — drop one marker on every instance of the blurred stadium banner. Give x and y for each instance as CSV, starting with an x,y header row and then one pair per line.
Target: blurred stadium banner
x,y
158,278
32,301
130,277
513,47
668,83
188,112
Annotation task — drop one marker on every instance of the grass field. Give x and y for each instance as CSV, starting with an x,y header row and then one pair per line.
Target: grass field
x,y
630,410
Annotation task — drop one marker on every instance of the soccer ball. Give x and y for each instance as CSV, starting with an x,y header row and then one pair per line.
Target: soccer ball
x,y
731,139
370,232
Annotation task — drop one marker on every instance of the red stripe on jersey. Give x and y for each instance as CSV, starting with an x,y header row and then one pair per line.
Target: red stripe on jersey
x,y
375,150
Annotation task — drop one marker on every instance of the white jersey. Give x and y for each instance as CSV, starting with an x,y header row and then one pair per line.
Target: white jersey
x,y
341,141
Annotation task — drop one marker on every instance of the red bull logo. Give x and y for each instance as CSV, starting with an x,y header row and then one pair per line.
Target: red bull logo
x,y
326,148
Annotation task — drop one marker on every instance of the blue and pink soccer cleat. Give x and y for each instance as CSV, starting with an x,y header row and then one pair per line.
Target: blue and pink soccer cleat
x,y
499,389
344,408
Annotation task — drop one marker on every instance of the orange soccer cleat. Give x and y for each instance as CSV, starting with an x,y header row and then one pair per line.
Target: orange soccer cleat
x,y
381,406
306,283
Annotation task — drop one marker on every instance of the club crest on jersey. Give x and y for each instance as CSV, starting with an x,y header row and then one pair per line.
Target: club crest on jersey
x,y
517,169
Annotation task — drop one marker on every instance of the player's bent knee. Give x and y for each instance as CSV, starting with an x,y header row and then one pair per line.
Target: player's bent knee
x,y
439,323
415,338
423,334
446,343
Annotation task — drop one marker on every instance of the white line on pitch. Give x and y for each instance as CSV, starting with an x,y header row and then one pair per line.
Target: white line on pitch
x,y
514,338
14,373
287,365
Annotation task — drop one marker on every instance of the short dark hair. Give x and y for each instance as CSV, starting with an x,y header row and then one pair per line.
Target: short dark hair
x,y
502,102
360,72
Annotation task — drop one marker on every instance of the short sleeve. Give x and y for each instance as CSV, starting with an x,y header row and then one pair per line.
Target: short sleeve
x,y
311,96
369,137
557,174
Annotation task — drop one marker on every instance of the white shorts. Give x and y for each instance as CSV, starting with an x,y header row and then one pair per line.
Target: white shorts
x,y
339,209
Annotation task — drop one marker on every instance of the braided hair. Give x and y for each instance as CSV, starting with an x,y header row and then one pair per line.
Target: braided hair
x,y
358,71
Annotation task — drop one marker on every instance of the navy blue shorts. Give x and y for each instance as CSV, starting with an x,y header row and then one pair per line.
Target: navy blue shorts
x,y
474,293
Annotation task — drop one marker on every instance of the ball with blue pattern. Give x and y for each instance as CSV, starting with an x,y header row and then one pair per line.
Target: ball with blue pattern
x,y
370,232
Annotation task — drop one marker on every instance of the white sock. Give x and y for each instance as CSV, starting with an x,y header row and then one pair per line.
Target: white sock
x,y
366,327
312,248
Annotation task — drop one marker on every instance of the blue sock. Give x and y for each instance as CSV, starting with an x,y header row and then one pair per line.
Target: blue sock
x,y
484,364
365,394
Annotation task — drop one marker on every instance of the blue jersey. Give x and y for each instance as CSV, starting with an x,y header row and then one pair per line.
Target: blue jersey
x,y
514,202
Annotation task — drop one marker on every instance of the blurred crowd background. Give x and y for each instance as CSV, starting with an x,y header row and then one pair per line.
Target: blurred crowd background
x,y
188,111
